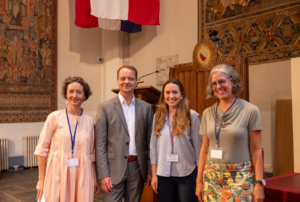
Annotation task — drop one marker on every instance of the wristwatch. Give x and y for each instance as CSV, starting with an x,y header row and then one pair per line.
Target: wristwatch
x,y
262,182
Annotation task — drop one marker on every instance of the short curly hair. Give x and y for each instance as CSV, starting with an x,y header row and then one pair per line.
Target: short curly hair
x,y
72,79
231,74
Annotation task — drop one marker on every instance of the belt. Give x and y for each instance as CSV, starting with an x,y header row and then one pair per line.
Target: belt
x,y
132,158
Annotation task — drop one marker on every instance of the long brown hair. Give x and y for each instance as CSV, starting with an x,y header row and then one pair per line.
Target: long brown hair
x,y
181,118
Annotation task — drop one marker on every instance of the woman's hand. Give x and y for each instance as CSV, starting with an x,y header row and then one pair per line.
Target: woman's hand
x,y
258,193
199,192
96,184
258,164
154,183
201,167
96,188
39,188
42,163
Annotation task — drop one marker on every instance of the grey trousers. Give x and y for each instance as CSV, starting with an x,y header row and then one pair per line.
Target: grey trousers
x,y
131,186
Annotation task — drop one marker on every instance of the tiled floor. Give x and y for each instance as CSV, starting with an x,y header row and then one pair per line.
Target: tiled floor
x,y
20,186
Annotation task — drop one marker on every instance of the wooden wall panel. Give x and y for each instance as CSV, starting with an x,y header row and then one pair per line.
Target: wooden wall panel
x,y
187,77
187,83
181,77
195,83
193,96
283,148
175,75
202,101
200,92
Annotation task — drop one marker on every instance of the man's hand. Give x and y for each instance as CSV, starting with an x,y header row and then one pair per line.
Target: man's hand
x,y
106,185
148,181
154,183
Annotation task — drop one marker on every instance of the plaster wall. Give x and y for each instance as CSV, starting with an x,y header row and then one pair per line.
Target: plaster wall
x,y
77,50
112,42
295,72
178,33
268,83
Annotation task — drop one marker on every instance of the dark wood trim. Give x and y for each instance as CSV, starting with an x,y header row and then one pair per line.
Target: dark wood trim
x,y
55,53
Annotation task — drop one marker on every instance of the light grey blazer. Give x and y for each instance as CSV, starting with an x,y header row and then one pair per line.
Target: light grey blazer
x,y
112,139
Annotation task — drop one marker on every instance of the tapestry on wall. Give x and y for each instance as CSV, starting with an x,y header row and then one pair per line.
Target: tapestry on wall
x,y
261,30
27,60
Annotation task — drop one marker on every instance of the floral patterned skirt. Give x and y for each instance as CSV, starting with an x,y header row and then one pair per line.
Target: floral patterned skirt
x,y
228,182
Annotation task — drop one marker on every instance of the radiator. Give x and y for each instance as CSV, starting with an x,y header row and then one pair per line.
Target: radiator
x,y
4,154
29,145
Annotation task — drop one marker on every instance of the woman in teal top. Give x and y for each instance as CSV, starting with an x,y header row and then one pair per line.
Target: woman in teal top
x,y
230,165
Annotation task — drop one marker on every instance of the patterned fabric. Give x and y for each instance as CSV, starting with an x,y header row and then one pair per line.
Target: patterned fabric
x,y
228,182
27,60
260,30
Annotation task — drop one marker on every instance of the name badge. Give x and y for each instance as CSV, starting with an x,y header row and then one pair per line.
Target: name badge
x,y
172,157
216,153
72,162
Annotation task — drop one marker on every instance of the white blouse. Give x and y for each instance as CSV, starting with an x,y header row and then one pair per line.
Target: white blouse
x,y
187,146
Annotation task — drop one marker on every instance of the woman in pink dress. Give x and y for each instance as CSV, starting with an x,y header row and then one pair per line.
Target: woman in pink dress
x,y
65,150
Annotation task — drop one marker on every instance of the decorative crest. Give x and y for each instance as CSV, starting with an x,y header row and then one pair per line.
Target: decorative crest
x,y
204,55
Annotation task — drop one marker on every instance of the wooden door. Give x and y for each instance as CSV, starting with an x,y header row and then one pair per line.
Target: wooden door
x,y
284,146
195,82
186,75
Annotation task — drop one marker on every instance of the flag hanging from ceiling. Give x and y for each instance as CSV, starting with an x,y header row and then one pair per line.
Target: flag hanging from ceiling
x,y
84,19
144,12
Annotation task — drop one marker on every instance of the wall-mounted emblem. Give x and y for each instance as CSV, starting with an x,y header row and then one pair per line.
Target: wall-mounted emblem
x,y
205,54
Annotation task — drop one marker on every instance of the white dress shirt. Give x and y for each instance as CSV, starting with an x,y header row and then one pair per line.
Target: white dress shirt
x,y
129,112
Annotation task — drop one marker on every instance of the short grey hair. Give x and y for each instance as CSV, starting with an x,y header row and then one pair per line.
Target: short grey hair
x,y
231,74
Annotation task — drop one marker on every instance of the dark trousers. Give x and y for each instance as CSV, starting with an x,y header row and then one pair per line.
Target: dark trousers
x,y
131,186
172,188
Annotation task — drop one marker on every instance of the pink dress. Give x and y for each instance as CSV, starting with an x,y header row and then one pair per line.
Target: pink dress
x,y
63,183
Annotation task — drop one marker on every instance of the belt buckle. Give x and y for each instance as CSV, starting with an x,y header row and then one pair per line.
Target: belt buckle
x,y
131,158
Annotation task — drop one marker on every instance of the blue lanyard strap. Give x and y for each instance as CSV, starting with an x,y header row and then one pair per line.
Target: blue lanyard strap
x,y
218,133
72,139
171,135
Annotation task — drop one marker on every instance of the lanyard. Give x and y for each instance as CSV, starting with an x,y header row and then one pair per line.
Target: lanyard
x,y
171,135
218,133
72,140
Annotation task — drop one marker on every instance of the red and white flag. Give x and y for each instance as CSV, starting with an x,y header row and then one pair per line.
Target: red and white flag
x,y
143,12
84,19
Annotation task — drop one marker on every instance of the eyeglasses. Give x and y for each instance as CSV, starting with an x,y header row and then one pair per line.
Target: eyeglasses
x,y
220,82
